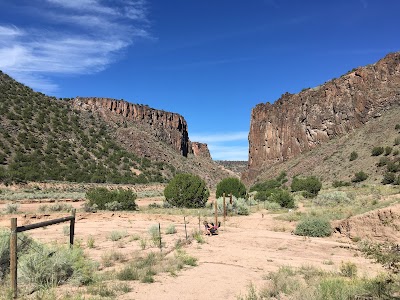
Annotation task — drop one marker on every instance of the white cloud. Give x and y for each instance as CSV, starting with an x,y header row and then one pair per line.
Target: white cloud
x,y
85,36
225,146
220,137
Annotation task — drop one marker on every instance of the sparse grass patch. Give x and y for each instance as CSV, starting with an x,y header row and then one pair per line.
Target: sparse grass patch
x,y
11,208
170,229
90,242
198,237
144,268
109,258
117,235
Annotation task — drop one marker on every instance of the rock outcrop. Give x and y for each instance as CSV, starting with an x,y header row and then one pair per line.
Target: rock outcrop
x,y
200,149
170,128
300,122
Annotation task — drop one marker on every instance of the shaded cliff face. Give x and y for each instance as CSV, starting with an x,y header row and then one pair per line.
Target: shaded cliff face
x,y
300,122
167,127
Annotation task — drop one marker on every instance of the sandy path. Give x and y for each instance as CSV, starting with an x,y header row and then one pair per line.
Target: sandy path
x,y
246,249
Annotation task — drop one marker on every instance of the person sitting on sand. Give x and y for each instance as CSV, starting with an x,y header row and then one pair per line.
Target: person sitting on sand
x,y
209,229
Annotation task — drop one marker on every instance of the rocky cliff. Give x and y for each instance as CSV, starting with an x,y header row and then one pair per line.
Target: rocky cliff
x,y
200,149
300,122
167,127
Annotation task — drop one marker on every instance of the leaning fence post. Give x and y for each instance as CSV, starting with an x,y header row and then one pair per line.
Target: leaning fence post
x,y
13,257
224,210
184,220
72,229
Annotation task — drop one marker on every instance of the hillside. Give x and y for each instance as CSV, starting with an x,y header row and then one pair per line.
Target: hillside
x,y
331,160
298,123
43,138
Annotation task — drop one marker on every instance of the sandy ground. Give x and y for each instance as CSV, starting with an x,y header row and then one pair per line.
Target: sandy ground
x,y
246,249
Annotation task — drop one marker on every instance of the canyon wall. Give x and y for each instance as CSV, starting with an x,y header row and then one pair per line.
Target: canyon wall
x,y
167,127
300,122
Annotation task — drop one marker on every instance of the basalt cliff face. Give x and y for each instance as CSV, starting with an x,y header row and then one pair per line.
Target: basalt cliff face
x,y
170,128
200,149
300,122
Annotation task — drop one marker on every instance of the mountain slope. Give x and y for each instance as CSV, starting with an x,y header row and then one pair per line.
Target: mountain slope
x,y
44,138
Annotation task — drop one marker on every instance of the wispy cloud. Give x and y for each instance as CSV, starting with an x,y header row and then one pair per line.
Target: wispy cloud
x,y
85,36
225,146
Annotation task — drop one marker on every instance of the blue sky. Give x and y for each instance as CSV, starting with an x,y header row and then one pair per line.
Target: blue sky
x,y
210,61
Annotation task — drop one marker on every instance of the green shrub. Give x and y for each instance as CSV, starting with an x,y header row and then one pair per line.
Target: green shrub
x,y
396,152
339,183
270,184
310,184
382,161
170,229
376,151
283,198
348,269
388,178
11,208
239,206
102,196
186,190
396,141
44,267
265,195
231,185
353,156
388,150
393,167
397,127
313,226
332,199
360,176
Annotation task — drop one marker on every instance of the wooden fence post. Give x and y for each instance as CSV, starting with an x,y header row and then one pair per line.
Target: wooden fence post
x,y
159,232
199,221
224,210
13,257
72,228
184,220
216,212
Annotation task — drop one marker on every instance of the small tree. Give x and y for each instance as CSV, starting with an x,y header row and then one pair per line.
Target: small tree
x,y
311,185
186,190
360,176
231,185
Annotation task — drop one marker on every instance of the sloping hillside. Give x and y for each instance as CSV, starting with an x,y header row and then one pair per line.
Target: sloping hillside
x,y
44,138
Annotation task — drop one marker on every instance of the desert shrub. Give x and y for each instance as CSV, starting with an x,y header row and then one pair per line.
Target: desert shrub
x,y
117,235
388,178
392,167
283,198
397,127
239,206
348,269
339,183
359,177
53,266
186,190
11,208
170,229
155,235
396,141
376,151
270,184
102,196
313,226
312,185
387,254
396,152
388,150
113,206
332,199
265,194
353,156
231,185
58,207
382,161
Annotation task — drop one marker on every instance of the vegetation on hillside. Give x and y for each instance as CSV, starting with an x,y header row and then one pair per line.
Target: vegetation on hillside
x,y
42,138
